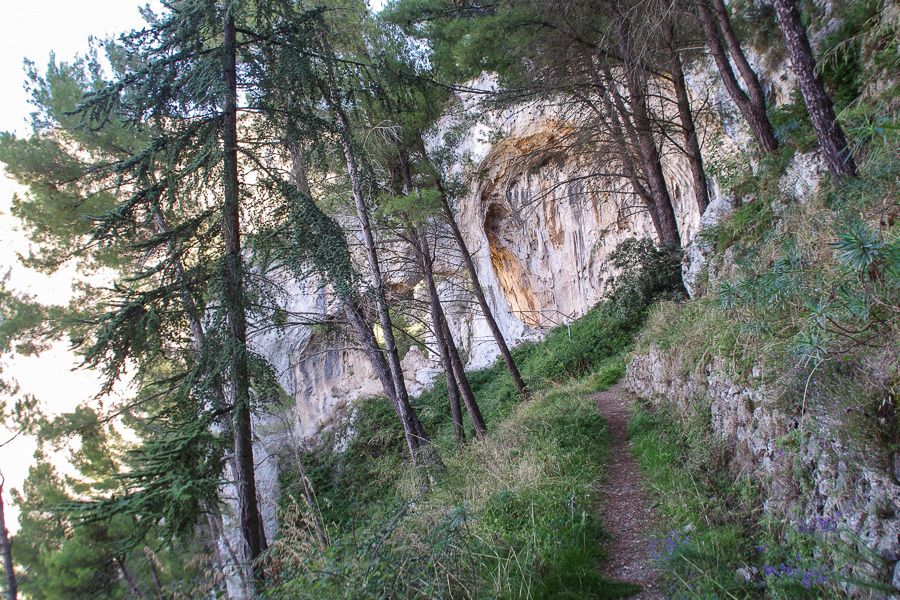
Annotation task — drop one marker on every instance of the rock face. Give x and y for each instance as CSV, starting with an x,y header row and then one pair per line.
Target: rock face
x,y
810,477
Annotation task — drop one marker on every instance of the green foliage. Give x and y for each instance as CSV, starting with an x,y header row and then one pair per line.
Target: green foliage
x,y
793,127
807,303
467,41
415,207
843,65
714,538
67,559
707,529
510,517
647,274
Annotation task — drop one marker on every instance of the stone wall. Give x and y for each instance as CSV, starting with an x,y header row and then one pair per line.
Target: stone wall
x,y
815,479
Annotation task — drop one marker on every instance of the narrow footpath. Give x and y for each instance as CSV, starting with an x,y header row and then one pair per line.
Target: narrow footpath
x,y
624,504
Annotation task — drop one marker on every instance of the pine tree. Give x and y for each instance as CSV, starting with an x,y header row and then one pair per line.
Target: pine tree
x,y
752,102
829,133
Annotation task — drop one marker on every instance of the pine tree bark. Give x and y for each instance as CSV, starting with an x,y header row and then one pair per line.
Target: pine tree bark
x,y
444,351
129,578
627,140
12,584
355,315
648,151
198,339
233,300
363,332
415,438
524,393
752,106
829,133
688,130
446,338
453,367
154,572
459,430
613,117
217,531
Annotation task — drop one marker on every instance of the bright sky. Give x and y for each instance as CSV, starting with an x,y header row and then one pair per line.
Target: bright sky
x,y
32,29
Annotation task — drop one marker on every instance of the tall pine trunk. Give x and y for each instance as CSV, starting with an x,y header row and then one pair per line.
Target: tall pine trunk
x,y
375,353
354,312
752,106
612,117
128,577
476,283
447,364
12,584
457,380
647,148
648,191
831,136
688,129
233,300
445,337
415,437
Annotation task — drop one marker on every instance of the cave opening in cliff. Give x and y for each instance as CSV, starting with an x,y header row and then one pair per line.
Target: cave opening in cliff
x,y
504,238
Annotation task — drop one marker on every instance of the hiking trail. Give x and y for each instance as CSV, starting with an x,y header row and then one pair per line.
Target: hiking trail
x,y
624,504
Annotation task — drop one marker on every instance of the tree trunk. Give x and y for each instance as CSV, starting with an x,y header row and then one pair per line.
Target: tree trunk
x,y
459,431
440,340
650,159
821,112
12,584
753,107
363,332
476,284
446,337
355,314
748,75
618,119
415,437
233,299
217,531
688,130
198,338
129,578
154,573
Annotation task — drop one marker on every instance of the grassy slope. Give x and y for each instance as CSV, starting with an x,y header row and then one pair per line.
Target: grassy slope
x,y
511,517
811,297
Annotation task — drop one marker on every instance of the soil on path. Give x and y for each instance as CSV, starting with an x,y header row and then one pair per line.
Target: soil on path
x,y
624,504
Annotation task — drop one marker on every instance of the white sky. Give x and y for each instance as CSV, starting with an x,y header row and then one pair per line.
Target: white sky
x,y
32,29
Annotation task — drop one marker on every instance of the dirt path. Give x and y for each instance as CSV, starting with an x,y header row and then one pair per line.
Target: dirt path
x,y
624,504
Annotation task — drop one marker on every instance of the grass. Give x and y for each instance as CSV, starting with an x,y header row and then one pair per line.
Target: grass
x,y
707,518
511,517
808,304
716,540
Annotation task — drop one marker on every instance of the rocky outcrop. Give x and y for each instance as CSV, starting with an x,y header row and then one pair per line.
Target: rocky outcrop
x,y
810,477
